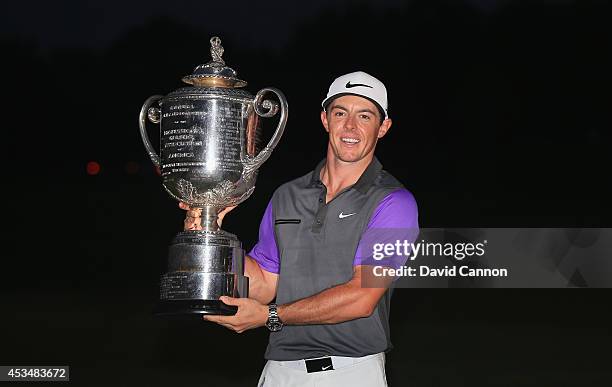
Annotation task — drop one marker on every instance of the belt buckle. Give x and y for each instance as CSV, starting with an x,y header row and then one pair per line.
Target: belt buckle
x,y
319,365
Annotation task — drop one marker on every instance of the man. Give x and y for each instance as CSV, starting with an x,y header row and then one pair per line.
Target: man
x,y
327,327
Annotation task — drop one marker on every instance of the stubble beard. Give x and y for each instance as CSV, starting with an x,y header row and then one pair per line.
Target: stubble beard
x,y
350,157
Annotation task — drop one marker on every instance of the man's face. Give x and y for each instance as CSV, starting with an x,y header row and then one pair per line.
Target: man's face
x,y
354,127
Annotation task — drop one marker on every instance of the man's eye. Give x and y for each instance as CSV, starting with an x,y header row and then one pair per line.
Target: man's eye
x,y
365,117
339,114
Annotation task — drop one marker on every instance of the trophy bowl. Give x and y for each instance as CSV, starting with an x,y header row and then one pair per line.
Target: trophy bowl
x,y
209,157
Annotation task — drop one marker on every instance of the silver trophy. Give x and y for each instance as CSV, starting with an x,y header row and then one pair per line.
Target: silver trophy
x,y
209,137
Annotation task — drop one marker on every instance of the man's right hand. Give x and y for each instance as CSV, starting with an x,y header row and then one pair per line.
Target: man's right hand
x,y
193,218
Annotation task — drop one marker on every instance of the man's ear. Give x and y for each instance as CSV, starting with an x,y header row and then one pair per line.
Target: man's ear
x,y
384,127
324,120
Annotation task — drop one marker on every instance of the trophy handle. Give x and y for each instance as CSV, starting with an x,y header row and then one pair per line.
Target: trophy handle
x,y
268,108
154,115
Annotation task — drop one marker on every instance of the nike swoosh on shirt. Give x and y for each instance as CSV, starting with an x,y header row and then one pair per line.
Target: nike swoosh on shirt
x,y
342,216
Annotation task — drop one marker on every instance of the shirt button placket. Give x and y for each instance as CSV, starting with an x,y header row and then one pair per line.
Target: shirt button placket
x,y
320,212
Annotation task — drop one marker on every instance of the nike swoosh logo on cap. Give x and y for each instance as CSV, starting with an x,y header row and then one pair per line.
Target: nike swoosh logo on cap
x,y
342,216
325,368
351,85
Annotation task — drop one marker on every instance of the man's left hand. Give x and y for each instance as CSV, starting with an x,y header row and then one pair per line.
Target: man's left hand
x,y
251,314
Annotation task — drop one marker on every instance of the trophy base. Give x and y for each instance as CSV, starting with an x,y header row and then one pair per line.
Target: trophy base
x,y
193,309
202,267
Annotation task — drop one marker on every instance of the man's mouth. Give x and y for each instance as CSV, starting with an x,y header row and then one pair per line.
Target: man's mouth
x,y
350,140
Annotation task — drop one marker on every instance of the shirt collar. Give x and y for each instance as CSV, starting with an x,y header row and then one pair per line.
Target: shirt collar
x,y
362,185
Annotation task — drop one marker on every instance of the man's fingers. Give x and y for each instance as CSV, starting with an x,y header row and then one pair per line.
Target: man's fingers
x,y
192,219
196,213
231,300
223,320
190,211
193,212
191,224
226,210
228,326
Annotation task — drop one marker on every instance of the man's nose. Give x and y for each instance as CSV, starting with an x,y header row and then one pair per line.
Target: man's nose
x,y
350,122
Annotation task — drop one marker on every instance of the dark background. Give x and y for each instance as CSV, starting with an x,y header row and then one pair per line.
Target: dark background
x,y
501,116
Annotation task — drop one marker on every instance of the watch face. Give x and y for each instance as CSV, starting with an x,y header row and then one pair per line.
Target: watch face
x,y
274,326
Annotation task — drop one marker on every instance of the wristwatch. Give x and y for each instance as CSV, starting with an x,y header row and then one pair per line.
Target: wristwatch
x,y
274,323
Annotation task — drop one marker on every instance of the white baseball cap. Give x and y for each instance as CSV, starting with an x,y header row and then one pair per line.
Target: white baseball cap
x,y
361,84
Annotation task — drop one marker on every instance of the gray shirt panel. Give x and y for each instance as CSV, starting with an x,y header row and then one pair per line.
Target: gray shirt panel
x,y
316,256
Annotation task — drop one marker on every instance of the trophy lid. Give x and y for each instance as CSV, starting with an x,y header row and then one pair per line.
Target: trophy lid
x,y
214,73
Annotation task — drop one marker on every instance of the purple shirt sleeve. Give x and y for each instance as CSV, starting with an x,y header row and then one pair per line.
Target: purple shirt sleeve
x,y
265,252
395,219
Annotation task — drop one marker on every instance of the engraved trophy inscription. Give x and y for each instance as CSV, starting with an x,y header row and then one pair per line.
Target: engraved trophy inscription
x,y
208,158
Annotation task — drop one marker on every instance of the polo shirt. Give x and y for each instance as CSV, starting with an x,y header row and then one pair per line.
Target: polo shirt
x,y
314,245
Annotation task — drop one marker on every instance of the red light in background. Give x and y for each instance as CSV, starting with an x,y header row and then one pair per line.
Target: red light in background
x,y
93,168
